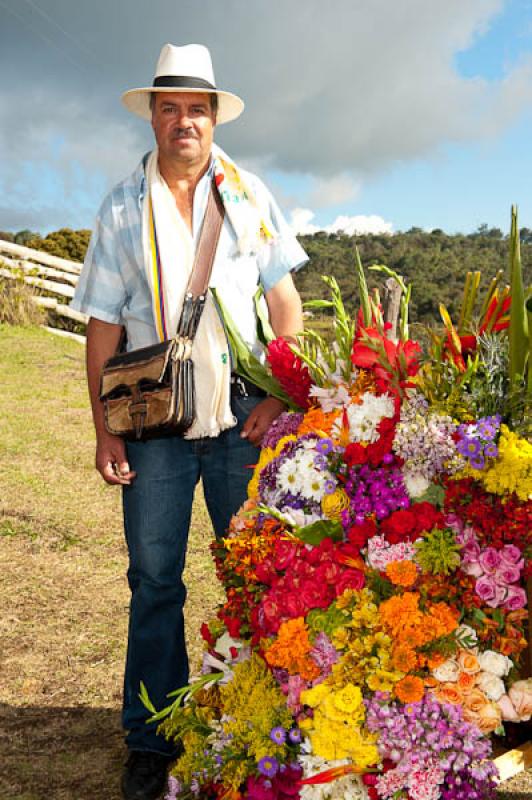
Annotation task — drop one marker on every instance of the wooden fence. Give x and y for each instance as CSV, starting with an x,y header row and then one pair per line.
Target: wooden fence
x,y
53,279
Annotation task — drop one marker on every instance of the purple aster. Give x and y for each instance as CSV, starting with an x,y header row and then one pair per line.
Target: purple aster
x,y
268,766
286,424
491,450
330,486
324,446
278,735
468,447
478,462
294,735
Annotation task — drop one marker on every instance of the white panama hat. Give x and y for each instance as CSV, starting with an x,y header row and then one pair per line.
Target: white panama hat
x,y
184,69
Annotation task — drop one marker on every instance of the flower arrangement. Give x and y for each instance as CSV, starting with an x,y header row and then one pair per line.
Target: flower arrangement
x,y
371,634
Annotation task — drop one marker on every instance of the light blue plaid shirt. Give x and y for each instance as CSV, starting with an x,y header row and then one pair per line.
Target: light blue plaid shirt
x,y
113,286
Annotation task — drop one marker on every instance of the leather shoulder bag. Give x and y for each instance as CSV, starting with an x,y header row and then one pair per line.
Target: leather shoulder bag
x,y
149,393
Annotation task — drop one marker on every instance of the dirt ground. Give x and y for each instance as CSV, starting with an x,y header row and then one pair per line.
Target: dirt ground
x,y
63,592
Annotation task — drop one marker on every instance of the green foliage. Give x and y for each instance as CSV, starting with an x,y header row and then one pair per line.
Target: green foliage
x,y
5,236
64,243
16,304
435,264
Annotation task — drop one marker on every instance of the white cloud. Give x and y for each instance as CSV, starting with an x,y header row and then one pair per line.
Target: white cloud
x,y
337,92
301,223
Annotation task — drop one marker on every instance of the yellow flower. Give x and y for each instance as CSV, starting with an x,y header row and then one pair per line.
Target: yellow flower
x,y
333,504
266,455
348,699
511,471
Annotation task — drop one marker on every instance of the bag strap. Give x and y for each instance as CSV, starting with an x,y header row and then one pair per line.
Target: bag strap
x,y
198,284
208,241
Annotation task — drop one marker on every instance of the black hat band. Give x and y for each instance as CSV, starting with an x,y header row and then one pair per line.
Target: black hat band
x,y
182,82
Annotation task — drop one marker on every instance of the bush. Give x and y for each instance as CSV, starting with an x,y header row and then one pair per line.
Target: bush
x,y
16,304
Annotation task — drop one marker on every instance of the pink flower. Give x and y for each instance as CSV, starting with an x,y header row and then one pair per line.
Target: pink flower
x,y
521,696
511,556
508,709
489,560
486,588
506,574
515,598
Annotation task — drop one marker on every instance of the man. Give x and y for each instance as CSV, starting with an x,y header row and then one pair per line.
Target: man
x,y
159,210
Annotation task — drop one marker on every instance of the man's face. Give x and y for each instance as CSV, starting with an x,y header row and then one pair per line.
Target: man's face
x,y
183,124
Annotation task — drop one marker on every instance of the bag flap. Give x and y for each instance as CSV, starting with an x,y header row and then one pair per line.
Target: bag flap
x,y
129,374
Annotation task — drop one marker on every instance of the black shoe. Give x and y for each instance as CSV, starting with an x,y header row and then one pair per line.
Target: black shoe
x,y
144,776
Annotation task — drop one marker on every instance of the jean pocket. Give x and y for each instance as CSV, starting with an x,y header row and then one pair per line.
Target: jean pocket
x,y
243,406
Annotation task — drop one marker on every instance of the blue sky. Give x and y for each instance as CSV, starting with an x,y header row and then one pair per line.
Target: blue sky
x,y
361,114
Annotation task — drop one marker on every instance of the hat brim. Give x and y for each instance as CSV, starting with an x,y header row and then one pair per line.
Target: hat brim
x,y
230,106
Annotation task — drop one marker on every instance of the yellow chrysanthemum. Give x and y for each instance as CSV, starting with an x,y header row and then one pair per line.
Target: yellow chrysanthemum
x,y
512,469
333,504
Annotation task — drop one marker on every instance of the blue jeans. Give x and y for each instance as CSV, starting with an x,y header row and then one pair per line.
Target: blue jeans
x,y
157,510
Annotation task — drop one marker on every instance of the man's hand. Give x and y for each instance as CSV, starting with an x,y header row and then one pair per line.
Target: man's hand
x,y
260,419
111,460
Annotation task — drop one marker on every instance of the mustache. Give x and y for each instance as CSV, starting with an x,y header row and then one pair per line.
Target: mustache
x,y
184,133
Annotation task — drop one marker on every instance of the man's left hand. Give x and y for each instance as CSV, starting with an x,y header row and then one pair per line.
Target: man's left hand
x,y
260,419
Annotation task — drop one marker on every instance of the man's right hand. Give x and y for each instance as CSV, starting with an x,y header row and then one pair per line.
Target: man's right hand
x,y
111,460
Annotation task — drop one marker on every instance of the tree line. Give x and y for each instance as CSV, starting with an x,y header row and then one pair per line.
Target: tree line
x,y
434,262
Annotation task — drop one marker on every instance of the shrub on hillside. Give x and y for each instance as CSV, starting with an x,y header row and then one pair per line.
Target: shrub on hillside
x,y
64,243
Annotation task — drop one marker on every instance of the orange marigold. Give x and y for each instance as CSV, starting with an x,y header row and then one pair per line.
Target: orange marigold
x,y
402,573
404,659
401,612
409,689
291,649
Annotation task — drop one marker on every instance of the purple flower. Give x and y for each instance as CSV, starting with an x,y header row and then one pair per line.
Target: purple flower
x,y
324,446
286,423
278,735
468,447
478,462
294,735
268,766
491,450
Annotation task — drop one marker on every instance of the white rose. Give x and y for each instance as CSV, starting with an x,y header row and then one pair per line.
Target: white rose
x,y
447,672
496,663
491,685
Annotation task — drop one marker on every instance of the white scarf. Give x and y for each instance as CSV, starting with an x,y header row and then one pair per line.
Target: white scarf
x,y
175,257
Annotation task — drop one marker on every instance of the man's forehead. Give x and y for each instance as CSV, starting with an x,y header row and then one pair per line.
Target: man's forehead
x,y
180,98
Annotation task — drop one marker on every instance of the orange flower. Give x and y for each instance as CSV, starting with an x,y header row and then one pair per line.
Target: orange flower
x,y
409,689
291,650
466,681
449,693
468,662
404,659
317,421
435,660
402,573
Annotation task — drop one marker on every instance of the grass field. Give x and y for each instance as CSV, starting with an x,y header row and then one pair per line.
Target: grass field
x,y
63,592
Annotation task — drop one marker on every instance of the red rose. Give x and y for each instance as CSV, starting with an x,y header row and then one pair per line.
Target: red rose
x,y
427,517
355,454
400,524
351,579
315,595
285,553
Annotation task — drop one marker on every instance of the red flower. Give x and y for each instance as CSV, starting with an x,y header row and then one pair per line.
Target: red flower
x,y
399,526
392,363
290,371
351,579
355,454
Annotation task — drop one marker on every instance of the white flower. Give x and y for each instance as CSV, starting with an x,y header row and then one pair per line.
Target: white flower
x,y
416,484
495,663
447,672
313,484
225,643
492,686
297,517
364,417
288,476
466,636
349,787
331,397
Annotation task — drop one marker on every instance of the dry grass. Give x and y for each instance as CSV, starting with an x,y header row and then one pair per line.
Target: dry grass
x,y
64,596
63,592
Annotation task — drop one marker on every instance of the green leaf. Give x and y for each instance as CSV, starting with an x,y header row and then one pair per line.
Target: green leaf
x,y
265,332
518,329
145,700
316,532
246,363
